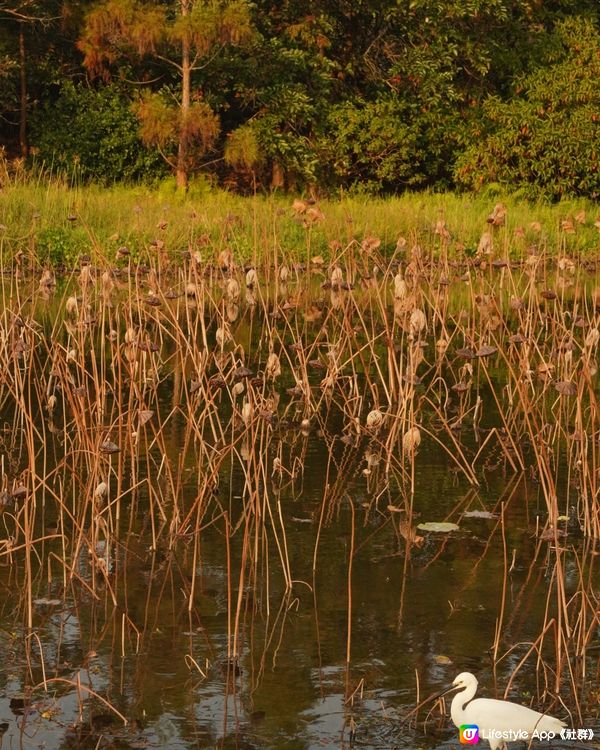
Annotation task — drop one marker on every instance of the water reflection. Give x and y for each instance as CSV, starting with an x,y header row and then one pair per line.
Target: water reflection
x,y
220,609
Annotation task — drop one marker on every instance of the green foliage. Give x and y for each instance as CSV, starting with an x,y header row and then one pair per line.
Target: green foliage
x,y
383,145
377,95
547,137
60,245
93,133
199,187
242,148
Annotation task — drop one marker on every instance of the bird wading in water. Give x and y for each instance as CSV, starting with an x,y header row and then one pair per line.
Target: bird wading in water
x,y
497,721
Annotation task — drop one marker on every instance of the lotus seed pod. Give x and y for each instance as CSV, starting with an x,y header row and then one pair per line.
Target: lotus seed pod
x,y
273,368
107,283
411,439
221,336
418,321
374,420
337,276
247,412
486,244
592,338
399,287
232,289
71,306
251,278
101,490
441,345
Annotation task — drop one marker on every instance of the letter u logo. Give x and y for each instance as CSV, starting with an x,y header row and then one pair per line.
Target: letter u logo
x,y
469,734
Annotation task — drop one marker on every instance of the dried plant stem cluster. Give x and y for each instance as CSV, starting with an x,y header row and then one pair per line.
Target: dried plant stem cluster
x,y
151,391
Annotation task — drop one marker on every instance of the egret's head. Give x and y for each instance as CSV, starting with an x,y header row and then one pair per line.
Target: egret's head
x,y
464,679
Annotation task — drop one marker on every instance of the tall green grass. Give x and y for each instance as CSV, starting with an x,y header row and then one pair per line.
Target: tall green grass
x,y
56,222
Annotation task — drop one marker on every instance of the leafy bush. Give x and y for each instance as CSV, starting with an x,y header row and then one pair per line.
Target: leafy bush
x,y
548,135
94,133
61,245
387,144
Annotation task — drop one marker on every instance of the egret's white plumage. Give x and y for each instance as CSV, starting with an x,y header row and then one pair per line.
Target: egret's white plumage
x,y
494,717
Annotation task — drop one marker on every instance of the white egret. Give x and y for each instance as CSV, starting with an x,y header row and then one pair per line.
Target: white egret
x,y
498,721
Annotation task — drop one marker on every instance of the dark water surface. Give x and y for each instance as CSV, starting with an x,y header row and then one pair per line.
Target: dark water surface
x,y
256,664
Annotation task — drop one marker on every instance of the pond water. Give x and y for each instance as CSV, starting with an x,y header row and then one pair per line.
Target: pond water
x,y
261,584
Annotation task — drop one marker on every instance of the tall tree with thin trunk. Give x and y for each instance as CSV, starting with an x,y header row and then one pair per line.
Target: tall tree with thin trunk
x,y
185,36
25,15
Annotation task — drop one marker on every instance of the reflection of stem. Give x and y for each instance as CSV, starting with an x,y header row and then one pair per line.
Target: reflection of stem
x,y
349,634
504,582
77,684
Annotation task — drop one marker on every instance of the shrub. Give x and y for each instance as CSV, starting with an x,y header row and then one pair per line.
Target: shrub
x,y
547,136
93,133
389,144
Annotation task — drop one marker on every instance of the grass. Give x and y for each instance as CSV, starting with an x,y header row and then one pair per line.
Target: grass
x,y
56,223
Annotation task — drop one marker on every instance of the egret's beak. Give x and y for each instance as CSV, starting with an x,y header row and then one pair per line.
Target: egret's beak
x,y
443,692
433,697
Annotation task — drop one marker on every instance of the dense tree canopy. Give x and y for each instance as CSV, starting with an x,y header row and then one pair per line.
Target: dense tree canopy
x,y
369,94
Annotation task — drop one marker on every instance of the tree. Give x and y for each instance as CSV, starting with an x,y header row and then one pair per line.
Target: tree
x,y
185,36
22,14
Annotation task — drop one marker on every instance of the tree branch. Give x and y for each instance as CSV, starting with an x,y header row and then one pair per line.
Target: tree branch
x,y
169,62
208,62
166,158
28,18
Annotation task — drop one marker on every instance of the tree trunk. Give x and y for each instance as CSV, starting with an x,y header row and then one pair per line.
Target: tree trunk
x,y
182,151
22,93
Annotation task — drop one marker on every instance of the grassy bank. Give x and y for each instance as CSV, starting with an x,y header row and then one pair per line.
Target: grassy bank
x,y
55,223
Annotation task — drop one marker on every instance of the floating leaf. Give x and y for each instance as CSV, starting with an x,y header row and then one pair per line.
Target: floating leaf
x,y
242,372
460,387
20,492
109,447
442,527
551,533
566,388
486,350
145,415
442,660
479,514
